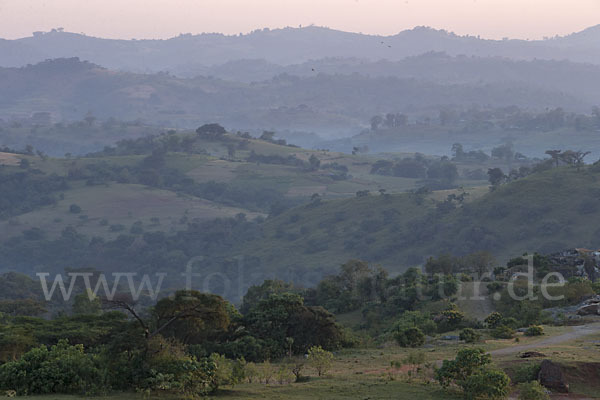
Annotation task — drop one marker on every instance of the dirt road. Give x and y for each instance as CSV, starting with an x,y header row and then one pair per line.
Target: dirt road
x,y
577,332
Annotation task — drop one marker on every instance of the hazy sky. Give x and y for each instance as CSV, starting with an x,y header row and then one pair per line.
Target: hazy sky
x,y
166,18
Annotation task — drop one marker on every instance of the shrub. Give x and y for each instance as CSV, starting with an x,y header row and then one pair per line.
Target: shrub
x,y
494,287
410,337
534,330
469,335
526,372
320,359
493,320
486,384
532,391
74,209
61,369
503,332
450,319
466,363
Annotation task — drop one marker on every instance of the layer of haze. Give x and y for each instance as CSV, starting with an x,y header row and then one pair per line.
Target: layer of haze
x,y
526,19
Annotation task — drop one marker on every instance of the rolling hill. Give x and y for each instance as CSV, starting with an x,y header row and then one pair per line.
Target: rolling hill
x,y
544,212
135,212
69,89
285,46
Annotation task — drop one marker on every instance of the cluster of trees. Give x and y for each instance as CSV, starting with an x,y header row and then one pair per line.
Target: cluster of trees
x,y
389,120
154,251
381,300
172,346
571,158
418,167
478,264
77,137
26,190
506,118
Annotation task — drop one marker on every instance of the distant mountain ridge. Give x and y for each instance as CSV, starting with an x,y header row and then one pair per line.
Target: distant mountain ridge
x,y
285,47
69,88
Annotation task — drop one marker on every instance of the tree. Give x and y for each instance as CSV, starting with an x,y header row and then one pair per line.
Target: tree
x,y
281,317
467,362
578,157
480,262
211,131
267,136
375,122
74,209
86,304
444,171
503,152
25,307
496,176
320,359
457,151
410,337
555,155
191,316
469,335
493,320
486,384
257,293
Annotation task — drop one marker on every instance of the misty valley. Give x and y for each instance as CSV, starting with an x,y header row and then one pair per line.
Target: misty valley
x,y
300,213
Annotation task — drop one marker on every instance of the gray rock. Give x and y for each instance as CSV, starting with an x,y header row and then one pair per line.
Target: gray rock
x,y
589,309
552,377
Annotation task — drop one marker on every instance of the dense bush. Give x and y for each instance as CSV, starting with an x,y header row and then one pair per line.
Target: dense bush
x,y
469,370
503,332
493,320
410,337
469,335
532,391
534,330
61,369
486,384
320,359
526,372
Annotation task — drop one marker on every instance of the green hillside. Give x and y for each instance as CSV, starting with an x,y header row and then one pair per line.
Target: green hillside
x,y
152,204
544,212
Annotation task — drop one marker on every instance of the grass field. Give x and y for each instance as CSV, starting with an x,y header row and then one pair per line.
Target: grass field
x,y
367,374
123,204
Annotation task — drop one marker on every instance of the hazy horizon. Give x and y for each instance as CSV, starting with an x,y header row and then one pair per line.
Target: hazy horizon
x,y
159,19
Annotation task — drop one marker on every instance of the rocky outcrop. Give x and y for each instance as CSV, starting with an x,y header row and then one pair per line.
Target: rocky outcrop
x,y
552,377
590,307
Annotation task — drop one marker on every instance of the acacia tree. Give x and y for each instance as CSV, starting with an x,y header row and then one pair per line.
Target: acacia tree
x,y
578,157
496,176
188,315
555,155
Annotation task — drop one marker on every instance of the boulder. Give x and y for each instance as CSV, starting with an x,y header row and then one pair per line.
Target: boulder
x,y
590,309
551,376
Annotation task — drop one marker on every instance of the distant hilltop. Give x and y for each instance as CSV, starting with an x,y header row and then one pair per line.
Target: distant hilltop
x,y
286,46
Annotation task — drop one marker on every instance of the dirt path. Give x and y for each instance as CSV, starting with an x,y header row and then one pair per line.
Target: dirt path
x,y
577,332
